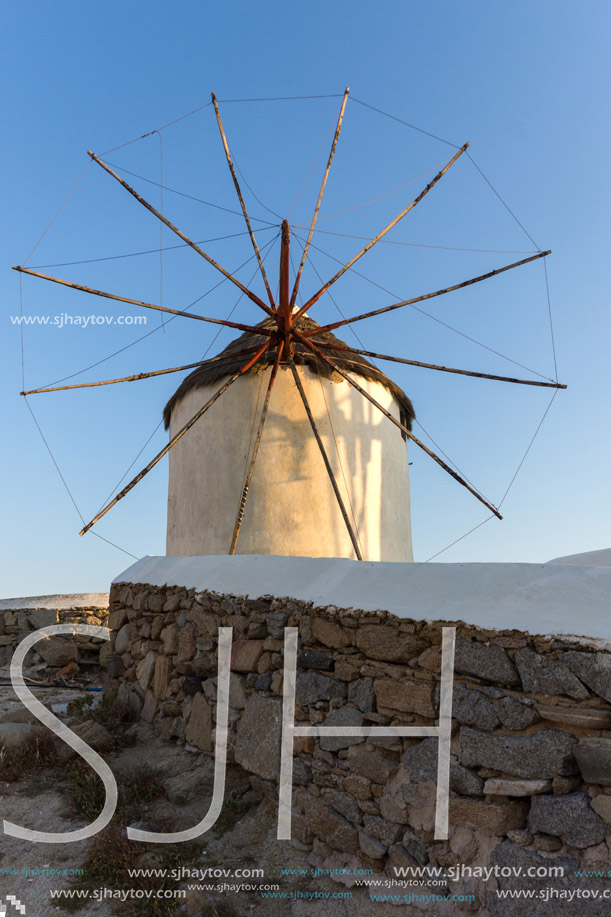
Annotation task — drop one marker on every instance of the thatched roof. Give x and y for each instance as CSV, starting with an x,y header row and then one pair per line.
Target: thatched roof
x,y
210,372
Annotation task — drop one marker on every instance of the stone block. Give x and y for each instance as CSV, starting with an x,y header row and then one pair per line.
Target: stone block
x,y
497,786
380,641
490,662
329,634
257,747
494,818
313,686
405,696
362,695
57,650
542,675
199,727
161,679
245,655
570,817
593,757
473,708
342,716
539,756
145,670
594,669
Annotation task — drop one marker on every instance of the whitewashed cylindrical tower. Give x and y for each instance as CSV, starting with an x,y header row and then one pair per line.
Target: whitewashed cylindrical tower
x,y
291,507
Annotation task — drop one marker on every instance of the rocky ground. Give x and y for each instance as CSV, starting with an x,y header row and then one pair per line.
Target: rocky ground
x,y
36,794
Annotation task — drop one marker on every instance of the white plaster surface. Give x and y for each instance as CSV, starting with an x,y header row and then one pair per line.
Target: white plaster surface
x,y
60,602
291,508
537,598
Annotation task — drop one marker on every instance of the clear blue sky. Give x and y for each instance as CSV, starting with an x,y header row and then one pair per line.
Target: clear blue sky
x,y
526,83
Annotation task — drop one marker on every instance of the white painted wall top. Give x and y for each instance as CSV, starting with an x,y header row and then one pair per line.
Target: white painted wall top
x,y
590,558
536,598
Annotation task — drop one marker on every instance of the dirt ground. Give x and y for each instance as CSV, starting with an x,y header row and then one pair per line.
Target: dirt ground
x,y
243,838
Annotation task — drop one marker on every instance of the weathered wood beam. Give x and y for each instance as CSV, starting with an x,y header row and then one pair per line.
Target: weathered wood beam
x,y
241,200
252,296
444,369
425,296
320,196
226,358
144,305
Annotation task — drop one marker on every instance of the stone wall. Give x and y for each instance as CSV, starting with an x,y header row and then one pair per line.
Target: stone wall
x,y
530,779
57,651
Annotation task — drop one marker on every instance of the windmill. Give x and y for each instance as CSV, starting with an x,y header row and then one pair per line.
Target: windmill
x,y
290,351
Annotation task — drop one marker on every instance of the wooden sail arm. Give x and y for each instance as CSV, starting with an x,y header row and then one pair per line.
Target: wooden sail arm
x,y
320,195
338,496
409,302
402,427
175,439
145,305
444,369
242,203
252,296
222,358
255,452
380,235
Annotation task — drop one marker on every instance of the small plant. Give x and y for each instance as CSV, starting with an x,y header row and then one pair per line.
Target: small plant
x,y
85,791
232,811
81,706
33,755
111,711
110,859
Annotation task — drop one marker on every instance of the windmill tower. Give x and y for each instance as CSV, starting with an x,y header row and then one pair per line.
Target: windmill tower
x,y
342,492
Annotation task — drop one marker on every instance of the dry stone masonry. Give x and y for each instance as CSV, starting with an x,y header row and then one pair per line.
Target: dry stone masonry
x,y
530,777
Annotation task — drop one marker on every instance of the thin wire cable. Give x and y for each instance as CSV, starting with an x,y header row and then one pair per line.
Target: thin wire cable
x,y
333,95
505,205
406,123
449,248
510,485
149,333
190,197
152,251
435,319
535,434
66,199
63,480
162,128
261,204
549,312
447,548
